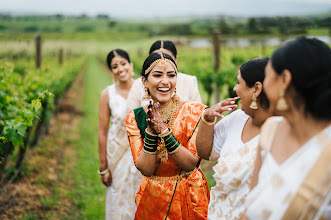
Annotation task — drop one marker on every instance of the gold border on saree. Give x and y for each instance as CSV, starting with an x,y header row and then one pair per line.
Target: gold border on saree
x,y
171,178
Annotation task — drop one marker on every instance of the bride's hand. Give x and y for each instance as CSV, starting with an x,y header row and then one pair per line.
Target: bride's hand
x,y
153,118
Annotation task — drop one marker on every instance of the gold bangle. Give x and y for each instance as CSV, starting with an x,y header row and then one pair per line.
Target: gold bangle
x,y
204,120
168,137
175,151
165,132
148,153
152,147
172,145
155,140
154,135
103,173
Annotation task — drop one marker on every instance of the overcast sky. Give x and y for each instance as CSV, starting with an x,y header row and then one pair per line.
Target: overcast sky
x,y
160,8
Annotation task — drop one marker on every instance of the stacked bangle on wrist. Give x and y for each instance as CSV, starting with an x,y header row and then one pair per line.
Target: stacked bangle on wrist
x,y
150,143
103,173
204,120
165,132
171,143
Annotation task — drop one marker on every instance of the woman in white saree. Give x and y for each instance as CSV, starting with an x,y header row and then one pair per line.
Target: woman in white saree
x,y
117,171
233,141
294,180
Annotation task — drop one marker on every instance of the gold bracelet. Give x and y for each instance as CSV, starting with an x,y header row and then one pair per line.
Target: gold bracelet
x,y
103,173
204,120
154,135
175,151
148,147
148,153
155,140
165,133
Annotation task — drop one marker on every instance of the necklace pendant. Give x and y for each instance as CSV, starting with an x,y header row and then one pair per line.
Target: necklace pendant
x,y
163,155
162,151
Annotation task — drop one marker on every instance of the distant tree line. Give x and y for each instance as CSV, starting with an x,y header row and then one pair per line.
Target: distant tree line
x,y
228,25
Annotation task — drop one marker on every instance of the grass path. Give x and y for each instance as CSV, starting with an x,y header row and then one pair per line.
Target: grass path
x,y
88,190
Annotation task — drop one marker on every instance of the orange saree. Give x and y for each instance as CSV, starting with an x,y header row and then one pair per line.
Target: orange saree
x,y
189,194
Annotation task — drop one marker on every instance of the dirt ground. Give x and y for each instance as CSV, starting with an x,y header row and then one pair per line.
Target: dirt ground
x,y
41,189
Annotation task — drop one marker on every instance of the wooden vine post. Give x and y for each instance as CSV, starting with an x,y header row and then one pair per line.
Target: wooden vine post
x,y
61,56
38,51
217,63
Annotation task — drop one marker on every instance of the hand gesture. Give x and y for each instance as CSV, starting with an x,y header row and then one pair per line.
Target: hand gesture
x,y
153,118
219,108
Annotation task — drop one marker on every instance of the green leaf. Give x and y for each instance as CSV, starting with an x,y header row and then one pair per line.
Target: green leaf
x,y
3,139
36,104
21,128
28,116
18,142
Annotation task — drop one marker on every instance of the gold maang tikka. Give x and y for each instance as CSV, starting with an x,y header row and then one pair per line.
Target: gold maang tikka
x,y
161,48
162,63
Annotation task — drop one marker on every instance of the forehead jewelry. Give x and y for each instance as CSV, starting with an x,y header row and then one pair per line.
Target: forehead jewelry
x,y
161,48
162,63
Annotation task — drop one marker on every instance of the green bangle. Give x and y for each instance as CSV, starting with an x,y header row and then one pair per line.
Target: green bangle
x,y
173,147
149,152
150,148
170,139
175,150
150,142
171,143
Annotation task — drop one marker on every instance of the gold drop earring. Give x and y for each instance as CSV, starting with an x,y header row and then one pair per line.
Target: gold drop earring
x,y
253,104
175,96
281,104
146,96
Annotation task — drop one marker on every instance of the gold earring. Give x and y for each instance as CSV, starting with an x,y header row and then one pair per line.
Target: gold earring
x,y
146,96
281,104
114,79
175,96
254,103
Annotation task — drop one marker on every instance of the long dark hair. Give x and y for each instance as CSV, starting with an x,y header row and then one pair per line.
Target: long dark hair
x,y
309,61
167,44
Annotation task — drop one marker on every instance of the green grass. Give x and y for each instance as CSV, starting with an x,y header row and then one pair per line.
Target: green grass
x,y
89,191
319,32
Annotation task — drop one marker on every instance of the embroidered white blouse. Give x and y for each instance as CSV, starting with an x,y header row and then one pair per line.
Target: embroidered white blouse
x,y
234,169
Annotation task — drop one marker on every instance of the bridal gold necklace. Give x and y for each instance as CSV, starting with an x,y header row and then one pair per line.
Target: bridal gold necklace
x,y
167,114
166,111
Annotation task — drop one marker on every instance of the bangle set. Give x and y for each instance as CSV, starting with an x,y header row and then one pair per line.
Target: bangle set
x,y
165,132
168,144
171,143
204,120
150,143
103,173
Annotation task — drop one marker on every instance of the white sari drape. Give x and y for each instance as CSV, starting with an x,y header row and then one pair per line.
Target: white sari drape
x,y
277,187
